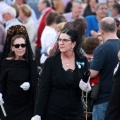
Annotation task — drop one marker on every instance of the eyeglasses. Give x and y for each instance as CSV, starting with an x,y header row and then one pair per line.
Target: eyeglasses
x,y
63,40
18,45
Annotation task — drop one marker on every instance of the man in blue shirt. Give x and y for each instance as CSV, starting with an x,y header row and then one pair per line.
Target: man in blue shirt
x,y
103,63
93,20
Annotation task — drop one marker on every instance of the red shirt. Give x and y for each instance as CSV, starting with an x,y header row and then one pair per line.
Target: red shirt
x,y
94,80
41,27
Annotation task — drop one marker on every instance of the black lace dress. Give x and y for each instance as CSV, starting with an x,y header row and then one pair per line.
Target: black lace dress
x,y
17,102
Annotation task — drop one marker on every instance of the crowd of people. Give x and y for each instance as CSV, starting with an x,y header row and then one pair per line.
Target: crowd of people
x,y
76,45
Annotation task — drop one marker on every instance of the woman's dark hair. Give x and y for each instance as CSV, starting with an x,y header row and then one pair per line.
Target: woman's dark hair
x,y
118,27
75,30
12,53
71,33
73,38
116,6
88,2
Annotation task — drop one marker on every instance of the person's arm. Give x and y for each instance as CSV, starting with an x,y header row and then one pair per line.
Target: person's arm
x,y
113,109
97,61
88,26
93,73
93,33
43,96
84,82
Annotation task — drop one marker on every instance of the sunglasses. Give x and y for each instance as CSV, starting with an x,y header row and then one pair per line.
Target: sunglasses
x,y
18,45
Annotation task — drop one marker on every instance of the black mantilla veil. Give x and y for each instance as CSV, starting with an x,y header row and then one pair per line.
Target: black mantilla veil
x,y
17,30
75,30
30,59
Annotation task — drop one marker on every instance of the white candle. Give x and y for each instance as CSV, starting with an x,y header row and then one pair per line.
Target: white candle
x,y
3,110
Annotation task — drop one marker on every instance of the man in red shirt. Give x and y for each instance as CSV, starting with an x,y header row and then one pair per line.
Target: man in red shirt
x,y
44,7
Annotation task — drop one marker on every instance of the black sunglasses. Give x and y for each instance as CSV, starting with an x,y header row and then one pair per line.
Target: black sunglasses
x,y
18,45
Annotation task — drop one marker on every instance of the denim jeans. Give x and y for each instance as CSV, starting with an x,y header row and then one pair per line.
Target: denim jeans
x,y
99,111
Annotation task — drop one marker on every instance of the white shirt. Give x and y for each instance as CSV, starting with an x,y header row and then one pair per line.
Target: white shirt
x,y
49,36
11,23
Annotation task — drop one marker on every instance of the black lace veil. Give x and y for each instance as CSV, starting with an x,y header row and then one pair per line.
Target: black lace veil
x,y
77,27
12,31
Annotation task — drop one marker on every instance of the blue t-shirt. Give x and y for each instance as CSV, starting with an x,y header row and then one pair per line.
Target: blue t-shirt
x,y
105,60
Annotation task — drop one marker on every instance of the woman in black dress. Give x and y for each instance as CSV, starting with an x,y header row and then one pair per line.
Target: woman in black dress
x,y
18,76
63,76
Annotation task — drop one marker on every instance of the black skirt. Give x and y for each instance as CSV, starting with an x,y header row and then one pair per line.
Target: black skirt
x,y
63,113
14,113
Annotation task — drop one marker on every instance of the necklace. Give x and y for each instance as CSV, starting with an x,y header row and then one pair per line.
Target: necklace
x,y
68,63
